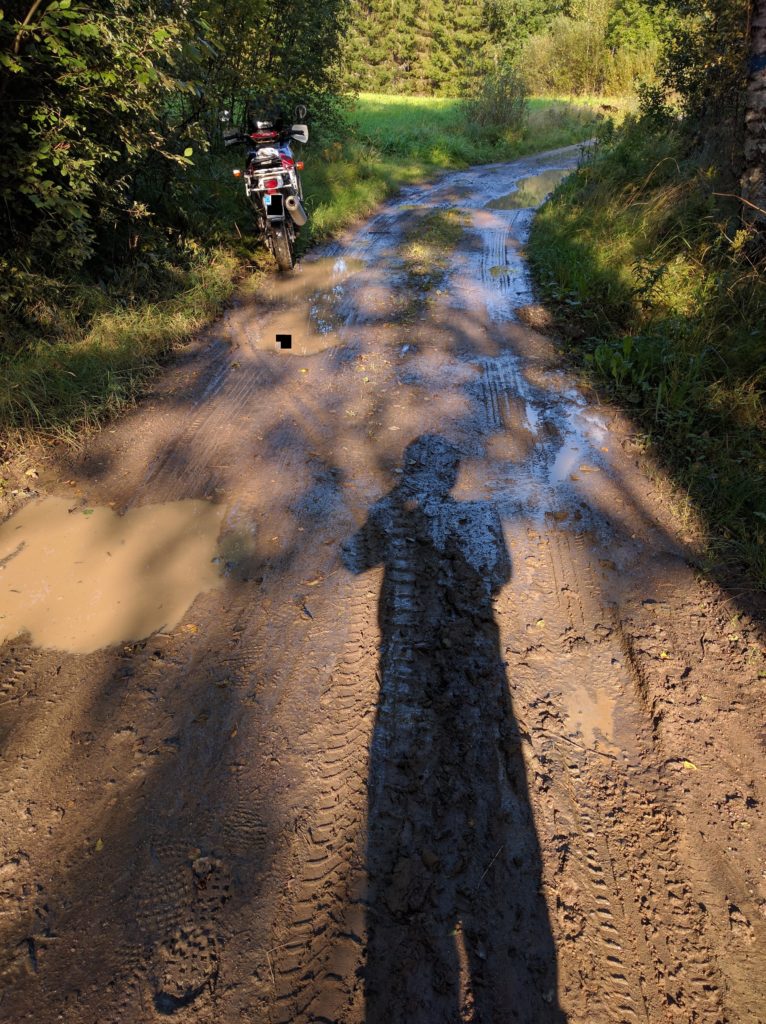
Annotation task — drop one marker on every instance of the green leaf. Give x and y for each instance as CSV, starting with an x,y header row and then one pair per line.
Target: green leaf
x,y
188,151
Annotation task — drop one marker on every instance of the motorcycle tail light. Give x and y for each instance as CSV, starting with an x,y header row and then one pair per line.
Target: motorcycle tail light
x,y
299,165
270,184
287,161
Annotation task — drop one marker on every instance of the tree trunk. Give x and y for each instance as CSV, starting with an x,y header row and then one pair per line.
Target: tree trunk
x,y
754,176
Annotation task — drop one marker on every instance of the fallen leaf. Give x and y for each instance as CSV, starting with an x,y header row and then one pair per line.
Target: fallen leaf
x,y
190,628
99,845
87,511
664,655
691,764
540,623
33,473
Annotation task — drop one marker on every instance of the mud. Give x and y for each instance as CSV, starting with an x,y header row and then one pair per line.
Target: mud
x,y
309,305
461,734
78,579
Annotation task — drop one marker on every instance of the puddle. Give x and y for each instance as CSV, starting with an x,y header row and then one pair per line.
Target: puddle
x,y
81,580
584,432
533,417
590,713
309,306
530,192
567,463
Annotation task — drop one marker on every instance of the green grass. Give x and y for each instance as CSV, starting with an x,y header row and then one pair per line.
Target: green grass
x,y
661,294
434,130
53,388
429,240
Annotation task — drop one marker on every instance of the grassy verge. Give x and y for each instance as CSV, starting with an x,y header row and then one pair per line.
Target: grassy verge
x,y
87,375
86,349
660,291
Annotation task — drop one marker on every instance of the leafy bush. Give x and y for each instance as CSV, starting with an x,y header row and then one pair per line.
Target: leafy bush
x,y
502,105
88,86
605,48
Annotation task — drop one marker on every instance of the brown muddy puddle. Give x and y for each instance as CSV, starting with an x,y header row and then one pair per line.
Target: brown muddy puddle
x,y
84,579
590,715
530,192
309,305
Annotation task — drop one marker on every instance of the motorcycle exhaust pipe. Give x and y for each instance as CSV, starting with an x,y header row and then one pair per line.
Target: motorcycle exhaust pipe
x,y
296,211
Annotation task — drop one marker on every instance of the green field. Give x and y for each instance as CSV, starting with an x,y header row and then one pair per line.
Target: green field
x,y
435,129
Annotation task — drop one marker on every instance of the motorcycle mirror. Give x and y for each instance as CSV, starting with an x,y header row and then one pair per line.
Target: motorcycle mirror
x,y
300,112
299,133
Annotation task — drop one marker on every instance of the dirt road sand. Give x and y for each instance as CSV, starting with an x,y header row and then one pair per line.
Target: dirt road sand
x,y
456,735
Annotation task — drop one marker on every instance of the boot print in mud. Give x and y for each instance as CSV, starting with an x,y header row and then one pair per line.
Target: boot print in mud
x,y
457,928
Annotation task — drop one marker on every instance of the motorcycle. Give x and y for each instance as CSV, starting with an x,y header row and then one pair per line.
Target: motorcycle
x,y
272,182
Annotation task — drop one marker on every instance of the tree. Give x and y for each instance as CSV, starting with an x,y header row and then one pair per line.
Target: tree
x,y
104,104
88,88
754,176
511,22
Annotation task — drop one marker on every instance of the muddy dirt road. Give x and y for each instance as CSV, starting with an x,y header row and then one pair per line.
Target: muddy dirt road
x,y
450,731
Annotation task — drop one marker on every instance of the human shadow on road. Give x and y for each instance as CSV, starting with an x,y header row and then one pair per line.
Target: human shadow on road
x,y
457,928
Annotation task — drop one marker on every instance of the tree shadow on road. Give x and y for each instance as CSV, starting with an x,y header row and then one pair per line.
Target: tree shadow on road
x,y
457,926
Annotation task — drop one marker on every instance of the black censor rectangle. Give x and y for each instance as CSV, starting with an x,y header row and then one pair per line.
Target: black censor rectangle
x,y
285,340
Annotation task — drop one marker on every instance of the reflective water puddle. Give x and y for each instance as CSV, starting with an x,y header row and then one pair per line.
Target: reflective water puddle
x,y
310,306
89,578
584,433
530,192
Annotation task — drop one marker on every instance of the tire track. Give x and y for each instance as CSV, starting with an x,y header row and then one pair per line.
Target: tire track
x,y
320,944
644,931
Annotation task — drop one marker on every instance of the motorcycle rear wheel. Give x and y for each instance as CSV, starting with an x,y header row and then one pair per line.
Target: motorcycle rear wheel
x,y
282,247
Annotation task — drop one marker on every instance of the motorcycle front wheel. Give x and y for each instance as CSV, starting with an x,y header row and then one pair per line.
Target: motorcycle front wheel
x,y
283,247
